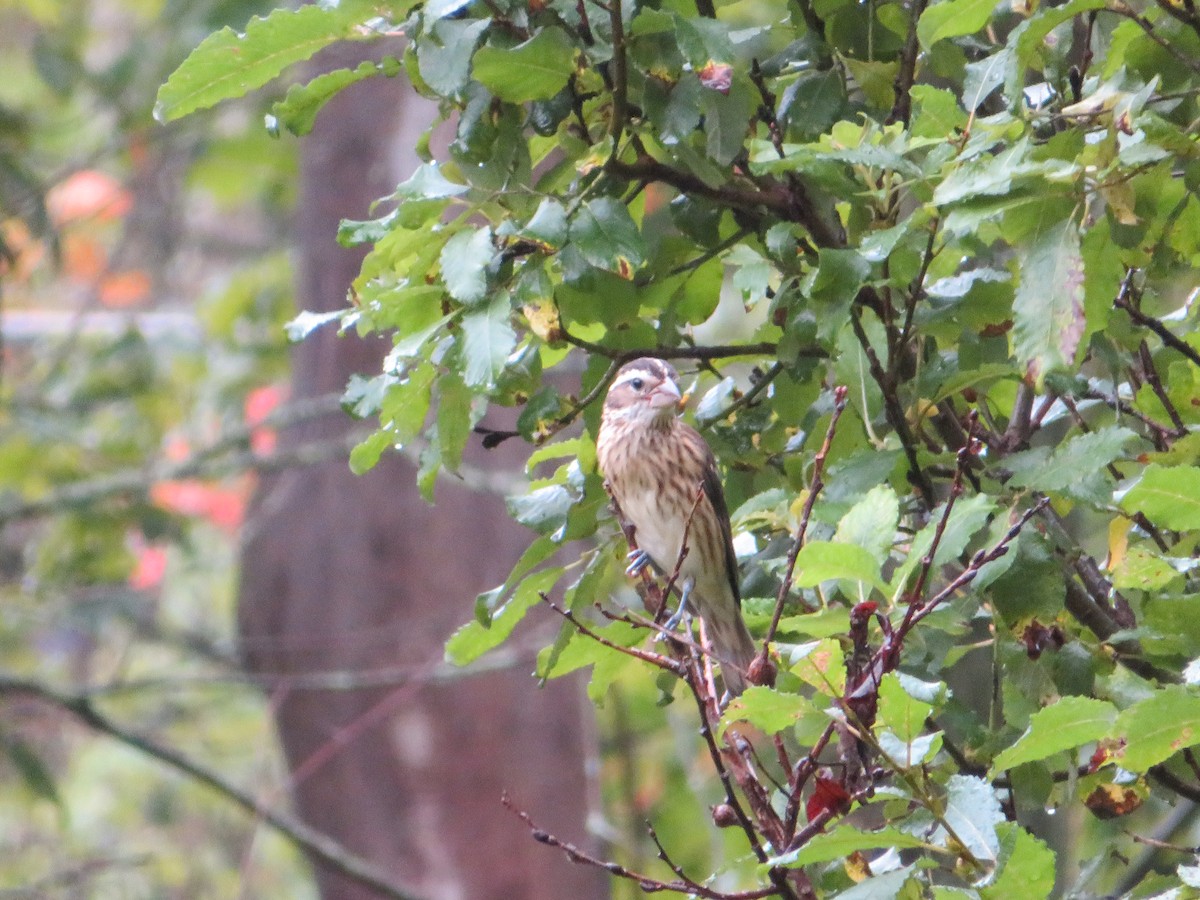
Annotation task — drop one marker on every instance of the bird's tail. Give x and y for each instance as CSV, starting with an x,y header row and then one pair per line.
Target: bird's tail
x,y
733,647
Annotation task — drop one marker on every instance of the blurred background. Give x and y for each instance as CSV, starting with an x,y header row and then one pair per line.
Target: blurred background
x,y
221,652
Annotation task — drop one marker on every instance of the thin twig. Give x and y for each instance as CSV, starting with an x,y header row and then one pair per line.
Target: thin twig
x,y
839,406
647,883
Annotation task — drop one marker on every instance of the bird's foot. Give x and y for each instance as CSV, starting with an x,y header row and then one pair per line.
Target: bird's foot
x,y
638,560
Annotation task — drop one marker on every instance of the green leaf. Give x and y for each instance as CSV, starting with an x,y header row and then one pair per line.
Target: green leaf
x,y
820,561
1141,569
228,64
535,70
406,404
1168,495
871,522
548,225
474,639
1026,866
973,812
488,339
840,843
444,53
606,235
772,711
900,710
1158,727
464,263
428,183
297,112
543,509
366,453
968,516
839,275
1048,307
454,419
1066,724
1073,461
952,18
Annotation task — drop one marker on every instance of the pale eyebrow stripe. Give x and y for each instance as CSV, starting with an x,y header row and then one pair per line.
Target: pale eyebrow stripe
x,y
631,375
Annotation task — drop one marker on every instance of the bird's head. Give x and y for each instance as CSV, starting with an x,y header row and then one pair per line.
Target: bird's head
x,y
645,391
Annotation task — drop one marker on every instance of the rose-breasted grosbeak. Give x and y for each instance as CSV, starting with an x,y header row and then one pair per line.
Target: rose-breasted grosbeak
x,y
656,466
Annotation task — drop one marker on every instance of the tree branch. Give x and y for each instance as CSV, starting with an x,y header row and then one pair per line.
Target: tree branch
x,y
316,844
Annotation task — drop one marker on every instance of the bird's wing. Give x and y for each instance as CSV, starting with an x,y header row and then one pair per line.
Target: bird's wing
x,y
716,496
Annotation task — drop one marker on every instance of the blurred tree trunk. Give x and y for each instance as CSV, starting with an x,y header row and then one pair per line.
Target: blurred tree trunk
x,y
357,573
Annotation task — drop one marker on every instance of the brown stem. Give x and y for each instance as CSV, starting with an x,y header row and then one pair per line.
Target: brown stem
x,y
839,406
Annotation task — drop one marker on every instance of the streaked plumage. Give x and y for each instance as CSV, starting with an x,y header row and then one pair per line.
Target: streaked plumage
x,y
655,464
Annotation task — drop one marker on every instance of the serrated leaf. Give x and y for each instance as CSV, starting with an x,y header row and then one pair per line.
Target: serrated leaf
x,y
952,18
406,404
1168,495
871,522
297,111
840,843
899,710
228,64
366,453
464,263
606,235
544,509
1071,462
1026,866
454,419
535,70
428,183
1142,569
548,224
488,339
1069,723
771,711
820,561
968,516
474,639
973,812
444,54
1048,316
1156,728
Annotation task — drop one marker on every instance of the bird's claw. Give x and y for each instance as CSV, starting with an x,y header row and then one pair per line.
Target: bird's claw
x,y
638,560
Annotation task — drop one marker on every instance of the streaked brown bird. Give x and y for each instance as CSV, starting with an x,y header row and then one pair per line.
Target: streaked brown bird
x,y
656,466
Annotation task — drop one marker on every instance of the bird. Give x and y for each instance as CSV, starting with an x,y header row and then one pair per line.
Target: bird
x,y
658,470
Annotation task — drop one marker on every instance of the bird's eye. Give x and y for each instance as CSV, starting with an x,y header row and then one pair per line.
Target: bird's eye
x,y
638,384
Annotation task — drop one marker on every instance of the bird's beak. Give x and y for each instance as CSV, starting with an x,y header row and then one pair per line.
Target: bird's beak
x,y
665,395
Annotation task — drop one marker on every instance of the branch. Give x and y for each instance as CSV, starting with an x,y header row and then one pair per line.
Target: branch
x,y
647,883
839,406
316,843
902,107
894,411
787,202
655,659
1128,300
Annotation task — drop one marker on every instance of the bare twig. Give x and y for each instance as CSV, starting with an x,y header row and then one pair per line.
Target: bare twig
x,y
655,659
839,406
647,883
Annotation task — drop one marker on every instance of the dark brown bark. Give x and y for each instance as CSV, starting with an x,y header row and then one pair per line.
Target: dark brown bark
x,y
344,572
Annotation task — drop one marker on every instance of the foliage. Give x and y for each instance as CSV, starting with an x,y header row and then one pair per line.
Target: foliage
x,y
970,231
